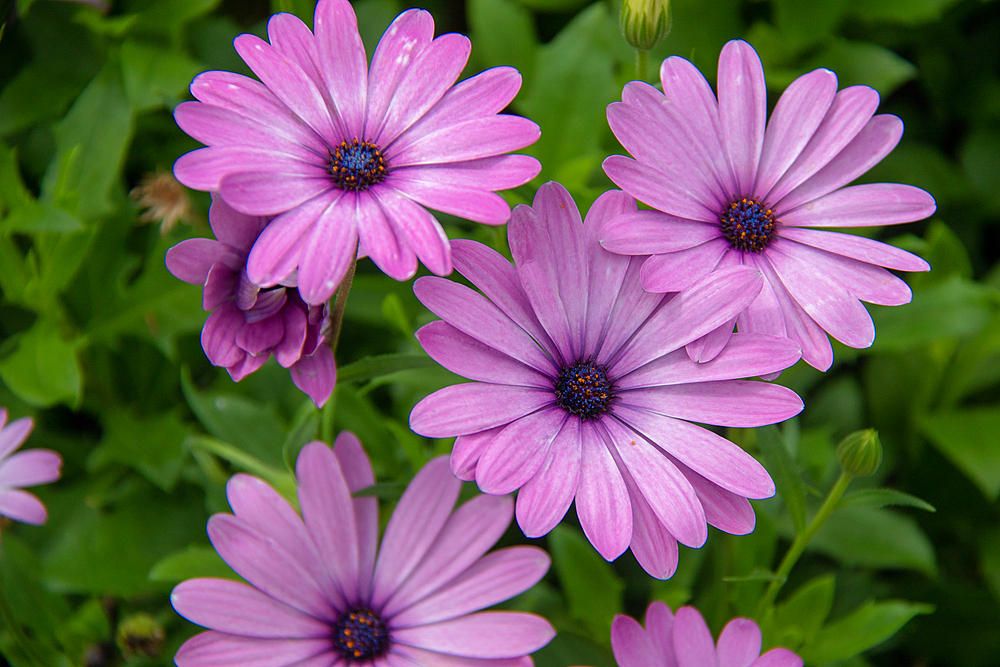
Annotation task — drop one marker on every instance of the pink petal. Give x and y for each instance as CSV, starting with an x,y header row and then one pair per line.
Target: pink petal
x,y
278,249
383,243
418,519
13,434
410,655
289,35
602,503
800,327
269,193
763,315
631,645
234,229
465,356
191,259
214,649
418,228
248,365
857,247
742,109
739,403
219,126
655,188
798,113
316,375
204,169
29,468
22,506
501,172
358,473
606,271
240,609
652,544
544,499
693,640
652,232
739,643
218,336
486,634
676,271
723,509
260,336
468,449
864,206
331,247
465,202
468,140
778,657
342,62
708,346
631,307
289,350
660,627
517,452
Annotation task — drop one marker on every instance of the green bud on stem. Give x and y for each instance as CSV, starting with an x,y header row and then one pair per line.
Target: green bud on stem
x,y
860,453
645,22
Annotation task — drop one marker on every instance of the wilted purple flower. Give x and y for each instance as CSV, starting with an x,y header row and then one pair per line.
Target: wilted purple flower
x,y
583,386
684,640
321,591
728,192
341,153
249,324
30,468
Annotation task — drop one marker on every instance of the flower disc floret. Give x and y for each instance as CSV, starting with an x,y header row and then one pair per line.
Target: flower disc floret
x,y
747,224
357,165
360,635
584,389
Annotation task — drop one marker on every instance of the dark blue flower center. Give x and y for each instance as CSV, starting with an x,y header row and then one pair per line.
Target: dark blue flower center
x,y
357,165
584,389
360,636
747,224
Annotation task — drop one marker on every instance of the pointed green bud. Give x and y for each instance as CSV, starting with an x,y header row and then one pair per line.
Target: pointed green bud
x,y
645,22
860,453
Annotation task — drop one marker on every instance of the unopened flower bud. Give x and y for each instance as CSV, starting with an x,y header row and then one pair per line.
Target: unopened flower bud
x,y
645,22
860,453
140,634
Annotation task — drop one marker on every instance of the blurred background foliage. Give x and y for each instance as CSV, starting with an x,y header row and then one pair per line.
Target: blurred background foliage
x,y
100,343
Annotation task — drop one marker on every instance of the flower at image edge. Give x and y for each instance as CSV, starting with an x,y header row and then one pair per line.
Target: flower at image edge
x,y
345,156
727,191
21,469
583,389
684,640
322,591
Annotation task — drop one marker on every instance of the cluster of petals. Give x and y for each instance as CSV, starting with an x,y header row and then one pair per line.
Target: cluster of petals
x,y
423,588
684,640
249,324
21,469
696,156
272,145
641,474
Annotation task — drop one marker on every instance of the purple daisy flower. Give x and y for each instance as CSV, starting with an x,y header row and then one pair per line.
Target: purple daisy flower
x,y
728,191
322,592
582,386
249,324
346,155
684,640
30,468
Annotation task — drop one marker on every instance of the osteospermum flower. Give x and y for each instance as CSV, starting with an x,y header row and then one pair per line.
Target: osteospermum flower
x,y
21,469
583,386
728,191
249,324
684,640
321,591
343,153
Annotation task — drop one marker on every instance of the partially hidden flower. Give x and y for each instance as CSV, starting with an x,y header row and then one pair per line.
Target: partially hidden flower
x,y
348,156
583,386
21,469
321,591
684,640
729,191
248,324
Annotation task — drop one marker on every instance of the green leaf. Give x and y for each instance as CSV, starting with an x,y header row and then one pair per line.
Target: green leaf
x,y
503,33
879,538
592,589
968,438
195,561
553,5
153,76
153,446
169,16
13,193
43,370
900,11
866,64
374,17
802,24
369,368
41,91
305,428
884,498
90,146
786,475
799,618
978,156
866,627
88,625
36,217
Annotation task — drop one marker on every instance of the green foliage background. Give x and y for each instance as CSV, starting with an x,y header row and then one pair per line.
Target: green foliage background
x,y
100,343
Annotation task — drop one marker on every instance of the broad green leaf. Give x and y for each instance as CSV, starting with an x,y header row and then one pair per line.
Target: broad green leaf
x,y
195,561
13,193
879,538
799,618
884,498
785,473
36,217
503,33
153,446
802,24
16,271
91,142
31,603
946,254
41,91
43,370
369,368
864,63
866,627
978,156
592,589
155,76
243,423
968,438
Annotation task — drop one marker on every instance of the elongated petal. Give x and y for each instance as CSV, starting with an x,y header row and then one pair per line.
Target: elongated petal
x,y
739,643
651,186
742,109
31,467
693,640
270,193
22,506
738,403
469,140
219,126
382,241
316,375
471,203
676,271
213,649
13,434
545,498
413,655
191,259
723,509
280,246
486,634
857,247
239,609
606,270
329,249
630,644
652,232
778,657
218,336
708,346
342,62
469,358
864,206
652,544
660,627
602,503
289,35
358,474
516,453
501,172
468,449
421,231
800,327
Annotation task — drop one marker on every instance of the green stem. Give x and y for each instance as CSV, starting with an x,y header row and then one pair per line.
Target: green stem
x,y
801,542
339,305
641,64
15,629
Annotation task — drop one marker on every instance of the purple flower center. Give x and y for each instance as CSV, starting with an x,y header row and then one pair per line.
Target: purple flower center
x,y
357,165
584,389
747,224
360,636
